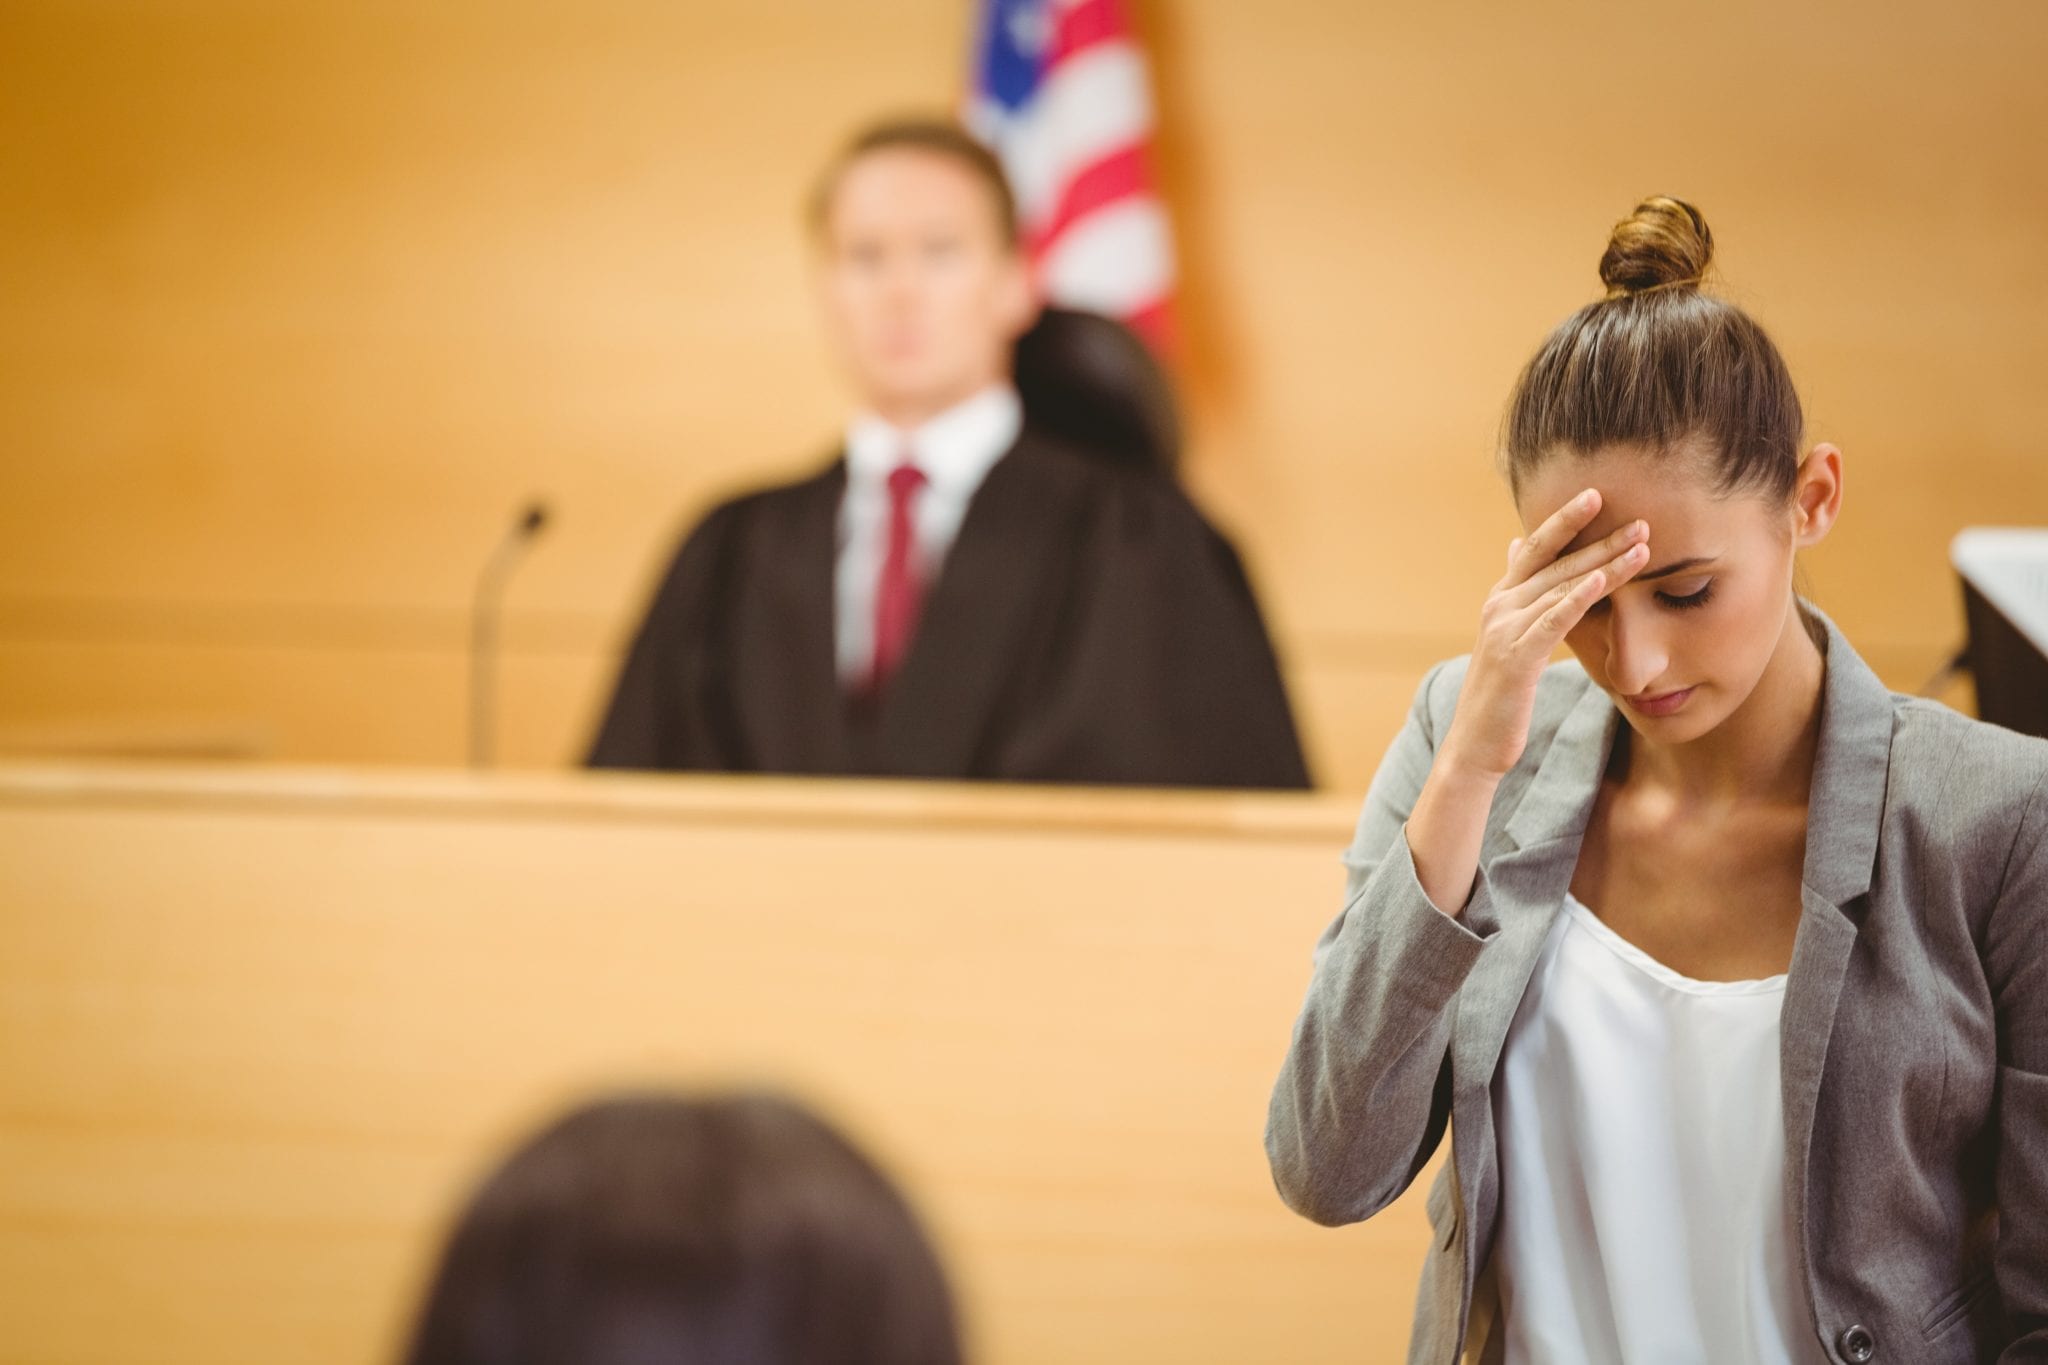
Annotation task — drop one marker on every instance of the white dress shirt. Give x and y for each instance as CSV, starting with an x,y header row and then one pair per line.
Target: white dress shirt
x,y
955,450
1643,1218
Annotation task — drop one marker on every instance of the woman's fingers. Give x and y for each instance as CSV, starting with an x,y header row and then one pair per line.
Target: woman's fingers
x,y
1578,563
1507,580
1566,604
1522,623
1557,531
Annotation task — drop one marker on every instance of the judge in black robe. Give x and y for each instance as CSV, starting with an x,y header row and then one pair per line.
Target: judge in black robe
x,y
1085,623
1088,625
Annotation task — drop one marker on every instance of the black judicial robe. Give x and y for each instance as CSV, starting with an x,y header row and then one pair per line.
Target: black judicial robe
x,y
1088,625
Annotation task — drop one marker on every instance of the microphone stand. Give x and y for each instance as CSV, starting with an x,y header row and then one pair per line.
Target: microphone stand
x,y
483,629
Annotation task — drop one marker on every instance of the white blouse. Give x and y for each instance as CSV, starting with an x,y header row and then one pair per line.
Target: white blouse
x,y
1642,1154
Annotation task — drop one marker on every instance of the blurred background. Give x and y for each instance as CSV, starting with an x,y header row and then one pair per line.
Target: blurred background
x,y
302,303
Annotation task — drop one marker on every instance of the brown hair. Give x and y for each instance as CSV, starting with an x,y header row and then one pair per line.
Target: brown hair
x,y
937,136
1660,365
738,1230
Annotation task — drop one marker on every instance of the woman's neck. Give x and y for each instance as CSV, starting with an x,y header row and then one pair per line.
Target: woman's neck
x,y
1764,751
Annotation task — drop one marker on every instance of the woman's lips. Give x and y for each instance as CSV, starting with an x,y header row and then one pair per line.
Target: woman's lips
x,y
1660,703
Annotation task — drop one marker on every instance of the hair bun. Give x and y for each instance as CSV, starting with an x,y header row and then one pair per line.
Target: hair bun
x,y
1665,242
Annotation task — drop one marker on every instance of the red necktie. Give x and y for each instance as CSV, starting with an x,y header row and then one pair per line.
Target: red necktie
x,y
900,592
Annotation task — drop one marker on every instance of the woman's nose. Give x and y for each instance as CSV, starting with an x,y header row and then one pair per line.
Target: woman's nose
x,y
1636,657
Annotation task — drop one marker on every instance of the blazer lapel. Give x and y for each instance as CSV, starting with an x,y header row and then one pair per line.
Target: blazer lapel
x,y
1844,809
1017,536
1525,882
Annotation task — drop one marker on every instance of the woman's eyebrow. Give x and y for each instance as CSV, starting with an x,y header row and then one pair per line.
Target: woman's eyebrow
x,y
1676,566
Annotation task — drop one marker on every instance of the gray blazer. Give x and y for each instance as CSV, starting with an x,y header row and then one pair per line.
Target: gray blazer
x,y
1915,1024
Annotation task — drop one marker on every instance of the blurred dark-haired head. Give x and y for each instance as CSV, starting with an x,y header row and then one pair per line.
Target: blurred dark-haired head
x,y
1094,383
657,1230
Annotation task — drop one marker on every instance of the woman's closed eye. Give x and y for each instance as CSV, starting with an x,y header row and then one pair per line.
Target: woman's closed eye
x,y
1677,601
1684,601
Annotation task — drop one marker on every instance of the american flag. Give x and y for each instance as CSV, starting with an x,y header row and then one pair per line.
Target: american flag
x,y
1062,95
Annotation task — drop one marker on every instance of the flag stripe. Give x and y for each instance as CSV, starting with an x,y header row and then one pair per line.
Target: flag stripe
x,y
1120,175
1083,25
1114,260
1154,322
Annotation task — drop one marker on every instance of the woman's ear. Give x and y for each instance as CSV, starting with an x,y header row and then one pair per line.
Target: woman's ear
x,y
1817,495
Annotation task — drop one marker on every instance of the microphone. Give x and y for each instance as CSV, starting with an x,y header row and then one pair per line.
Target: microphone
x,y
483,628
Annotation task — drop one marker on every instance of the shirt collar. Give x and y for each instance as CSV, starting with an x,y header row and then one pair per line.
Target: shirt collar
x,y
954,449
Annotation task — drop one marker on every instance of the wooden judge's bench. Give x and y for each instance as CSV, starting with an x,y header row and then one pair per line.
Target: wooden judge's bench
x,y
261,1027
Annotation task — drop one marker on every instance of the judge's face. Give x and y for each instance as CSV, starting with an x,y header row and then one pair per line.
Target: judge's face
x,y
1682,645
923,294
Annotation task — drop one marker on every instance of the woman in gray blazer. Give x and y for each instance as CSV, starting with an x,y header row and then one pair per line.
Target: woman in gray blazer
x,y
1726,966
